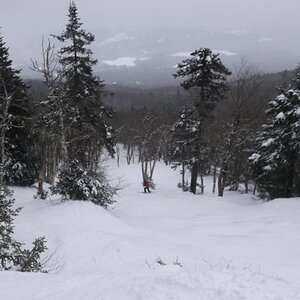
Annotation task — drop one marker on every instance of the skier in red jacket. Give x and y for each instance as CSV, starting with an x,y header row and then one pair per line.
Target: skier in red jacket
x,y
146,186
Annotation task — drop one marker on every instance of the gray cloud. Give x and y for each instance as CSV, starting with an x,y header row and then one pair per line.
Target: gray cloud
x,y
44,15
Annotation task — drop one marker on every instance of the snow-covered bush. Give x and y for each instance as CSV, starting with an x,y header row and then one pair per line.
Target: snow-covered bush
x,y
76,183
276,158
30,260
12,255
185,187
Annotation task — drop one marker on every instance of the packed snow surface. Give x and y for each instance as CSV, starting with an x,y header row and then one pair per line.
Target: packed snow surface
x,y
163,245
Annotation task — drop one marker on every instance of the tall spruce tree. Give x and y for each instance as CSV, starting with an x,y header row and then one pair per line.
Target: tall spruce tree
x,y
20,163
277,157
206,75
84,115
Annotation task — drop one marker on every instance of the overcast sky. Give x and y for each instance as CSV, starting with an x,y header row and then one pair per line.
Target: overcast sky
x,y
29,20
21,16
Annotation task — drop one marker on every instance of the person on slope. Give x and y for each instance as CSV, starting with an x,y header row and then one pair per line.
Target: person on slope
x,y
146,186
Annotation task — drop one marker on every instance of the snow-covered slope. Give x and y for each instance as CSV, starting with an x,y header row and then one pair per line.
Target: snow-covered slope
x,y
233,248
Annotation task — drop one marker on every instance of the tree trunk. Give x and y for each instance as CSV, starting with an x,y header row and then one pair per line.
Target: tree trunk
x,y
183,177
118,156
6,100
128,156
214,178
255,187
222,181
246,186
152,169
64,148
132,153
194,175
2,141
202,183
290,177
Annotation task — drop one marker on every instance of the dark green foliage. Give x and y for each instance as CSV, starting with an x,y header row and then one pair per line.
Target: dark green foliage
x,y
31,259
76,112
205,76
10,249
84,115
12,254
206,73
20,162
77,183
276,160
184,138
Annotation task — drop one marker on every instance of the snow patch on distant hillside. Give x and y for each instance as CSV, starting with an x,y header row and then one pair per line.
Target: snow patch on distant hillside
x,y
181,54
120,37
127,61
188,54
122,61
265,39
225,52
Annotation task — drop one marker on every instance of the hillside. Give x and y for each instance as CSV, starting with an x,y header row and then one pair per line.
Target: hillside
x,y
209,248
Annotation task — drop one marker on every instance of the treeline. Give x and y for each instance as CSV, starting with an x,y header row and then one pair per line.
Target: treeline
x,y
222,132
58,135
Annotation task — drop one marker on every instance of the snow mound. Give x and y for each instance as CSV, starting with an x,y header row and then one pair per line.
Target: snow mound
x,y
163,245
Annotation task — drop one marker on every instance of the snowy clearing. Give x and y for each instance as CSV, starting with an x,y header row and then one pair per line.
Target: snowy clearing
x,y
163,245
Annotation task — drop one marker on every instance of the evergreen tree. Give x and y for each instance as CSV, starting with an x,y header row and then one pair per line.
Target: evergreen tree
x,y
83,112
275,162
20,163
12,254
74,182
77,108
183,140
206,75
296,79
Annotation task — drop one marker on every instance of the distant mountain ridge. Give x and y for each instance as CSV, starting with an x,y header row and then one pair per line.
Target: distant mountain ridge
x,y
125,97
149,57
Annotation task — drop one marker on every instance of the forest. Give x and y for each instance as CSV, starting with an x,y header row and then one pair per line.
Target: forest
x,y
239,126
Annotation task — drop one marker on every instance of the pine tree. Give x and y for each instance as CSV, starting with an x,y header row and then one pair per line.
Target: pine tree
x,y
206,75
12,254
20,163
74,182
183,141
81,116
84,114
278,151
296,79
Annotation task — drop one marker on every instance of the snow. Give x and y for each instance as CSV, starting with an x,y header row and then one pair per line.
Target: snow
x,y
230,248
181,54
280,116
268,142
225,52
265,39
125,61
120,37
254,157
239,32
188,54
122,61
